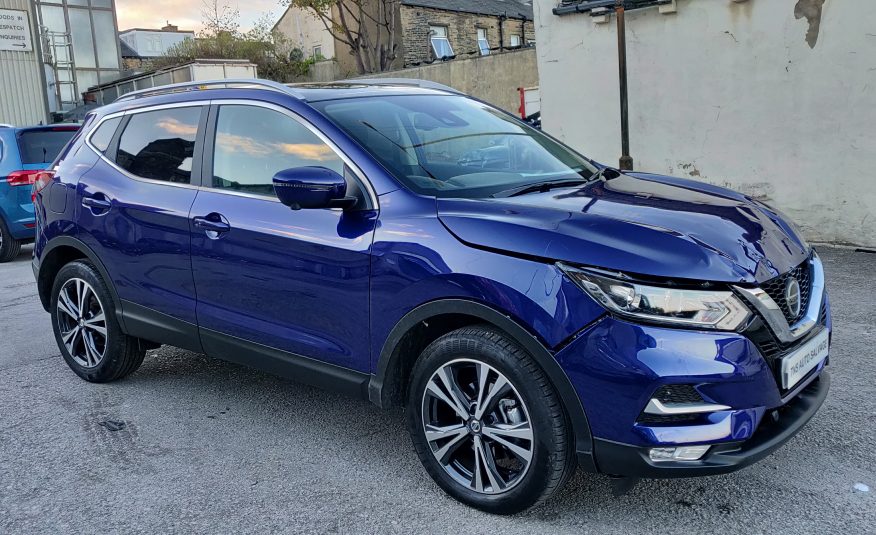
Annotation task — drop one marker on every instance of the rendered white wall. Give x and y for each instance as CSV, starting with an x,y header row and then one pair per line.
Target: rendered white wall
x,y
306,31
730,93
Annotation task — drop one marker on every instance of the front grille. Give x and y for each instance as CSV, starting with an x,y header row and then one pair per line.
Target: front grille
x,y
771,348
775,287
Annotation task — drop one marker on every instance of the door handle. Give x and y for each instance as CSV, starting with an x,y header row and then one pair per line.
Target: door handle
x,y
96,203
208,225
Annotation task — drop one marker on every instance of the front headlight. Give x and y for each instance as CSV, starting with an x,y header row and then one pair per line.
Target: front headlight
x,y
705,309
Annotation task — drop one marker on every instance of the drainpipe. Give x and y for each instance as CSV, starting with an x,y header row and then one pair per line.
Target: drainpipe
x,y
626,161
501,33
522,31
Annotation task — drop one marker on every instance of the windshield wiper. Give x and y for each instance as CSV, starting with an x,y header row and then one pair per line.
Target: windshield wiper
x,y
541,187
597,175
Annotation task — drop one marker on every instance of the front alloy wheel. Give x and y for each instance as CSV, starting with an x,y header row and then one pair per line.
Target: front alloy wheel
x,y
487,423
477,426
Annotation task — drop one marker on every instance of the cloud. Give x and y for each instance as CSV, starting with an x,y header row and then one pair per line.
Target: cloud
x,y
173,126
186,14
257,148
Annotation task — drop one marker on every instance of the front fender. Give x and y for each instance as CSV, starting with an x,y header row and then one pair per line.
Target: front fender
x,y
388,361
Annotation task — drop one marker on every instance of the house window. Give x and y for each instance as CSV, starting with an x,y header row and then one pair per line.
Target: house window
x,y
440,45
515,41
317,51
483,44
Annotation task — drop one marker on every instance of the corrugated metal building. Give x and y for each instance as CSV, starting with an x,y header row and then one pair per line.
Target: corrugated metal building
x,y
51,52
22,87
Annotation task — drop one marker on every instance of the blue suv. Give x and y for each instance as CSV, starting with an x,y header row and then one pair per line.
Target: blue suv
x,y
534,311
24,152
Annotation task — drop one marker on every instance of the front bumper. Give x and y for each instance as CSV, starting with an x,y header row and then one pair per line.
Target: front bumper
x,y
632,461
616,367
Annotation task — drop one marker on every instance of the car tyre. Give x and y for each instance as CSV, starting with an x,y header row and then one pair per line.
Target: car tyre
x,y
86,328
522,417
9,246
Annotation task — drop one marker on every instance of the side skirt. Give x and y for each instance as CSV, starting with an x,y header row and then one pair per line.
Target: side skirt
x,y
155,326
290,365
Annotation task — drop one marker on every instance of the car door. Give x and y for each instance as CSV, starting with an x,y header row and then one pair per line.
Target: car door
x,y
133,212
267,276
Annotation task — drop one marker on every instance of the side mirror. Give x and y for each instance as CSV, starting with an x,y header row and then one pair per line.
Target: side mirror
x,y
312,187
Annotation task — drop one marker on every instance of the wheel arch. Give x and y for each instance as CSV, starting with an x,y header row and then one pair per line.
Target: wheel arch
x,y
61,251
422,325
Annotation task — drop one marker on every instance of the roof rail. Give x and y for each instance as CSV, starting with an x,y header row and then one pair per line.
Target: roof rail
x,y
416,82
240,83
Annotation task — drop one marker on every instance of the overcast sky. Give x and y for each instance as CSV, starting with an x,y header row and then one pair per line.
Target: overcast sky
x,y
186,13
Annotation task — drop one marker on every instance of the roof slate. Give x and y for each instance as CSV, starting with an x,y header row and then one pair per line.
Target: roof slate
x,y
511,8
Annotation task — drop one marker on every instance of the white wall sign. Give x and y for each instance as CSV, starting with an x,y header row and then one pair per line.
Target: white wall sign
x,y
15,31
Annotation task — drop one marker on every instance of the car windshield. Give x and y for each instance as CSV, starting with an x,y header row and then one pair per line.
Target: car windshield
x,y
43,145
452,146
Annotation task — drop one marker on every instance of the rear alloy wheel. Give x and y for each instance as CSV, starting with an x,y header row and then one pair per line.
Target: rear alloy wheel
x,y
487,423
86,328
82,322
9,246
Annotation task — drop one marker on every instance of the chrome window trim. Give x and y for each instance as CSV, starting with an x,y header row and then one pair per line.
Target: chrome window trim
x,y
364,183
114,165
357,171
772,313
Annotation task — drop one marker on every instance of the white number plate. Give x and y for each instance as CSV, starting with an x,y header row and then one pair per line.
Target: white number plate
x,y
799,363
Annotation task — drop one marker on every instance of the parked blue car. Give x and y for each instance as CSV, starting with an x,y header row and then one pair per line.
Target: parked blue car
x,y
534,311
24,152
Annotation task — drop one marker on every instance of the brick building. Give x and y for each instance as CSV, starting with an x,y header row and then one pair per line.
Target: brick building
x,y
429,30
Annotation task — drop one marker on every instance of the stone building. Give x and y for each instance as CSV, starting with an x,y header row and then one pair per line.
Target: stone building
x,y
427,31
470,28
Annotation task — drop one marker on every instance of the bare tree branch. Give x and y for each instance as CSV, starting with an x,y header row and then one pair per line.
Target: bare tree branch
x,y
367,27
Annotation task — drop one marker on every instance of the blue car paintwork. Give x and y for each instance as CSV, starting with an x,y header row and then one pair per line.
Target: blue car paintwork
x,y
416,260
293,280
16,206
615,366
634,225
143,239
332,285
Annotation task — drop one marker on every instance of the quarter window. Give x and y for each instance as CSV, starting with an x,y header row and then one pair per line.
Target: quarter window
x,y
253,144
101,137
440,45
483,44
160,144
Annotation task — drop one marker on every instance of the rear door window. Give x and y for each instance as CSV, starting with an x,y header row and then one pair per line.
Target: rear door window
x,y
160,144
42,146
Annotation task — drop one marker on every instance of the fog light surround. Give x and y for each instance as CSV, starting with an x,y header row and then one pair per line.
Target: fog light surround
x,y
680,453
